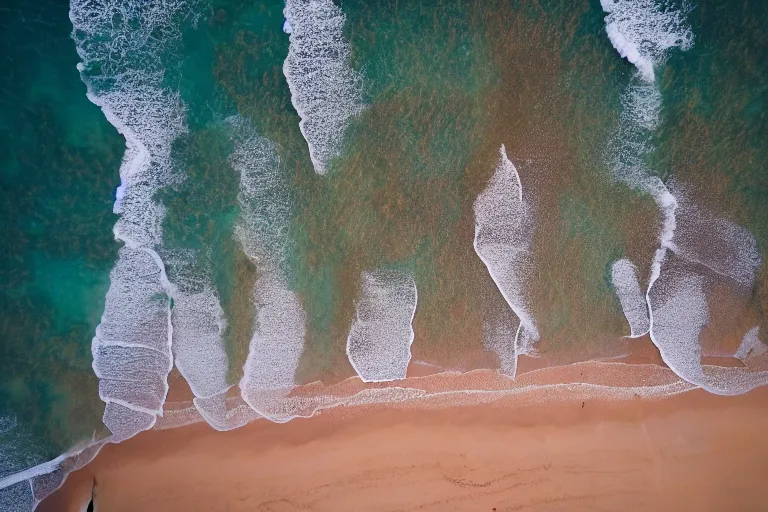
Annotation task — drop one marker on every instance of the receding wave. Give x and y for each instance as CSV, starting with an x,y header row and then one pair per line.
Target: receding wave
x,y
119,46
704,250
23,491
588,380
696,248
279,326
198,324
325,90
624,277
379,341
503,231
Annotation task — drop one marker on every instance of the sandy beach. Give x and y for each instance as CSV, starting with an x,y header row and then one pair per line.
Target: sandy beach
x,y
543,449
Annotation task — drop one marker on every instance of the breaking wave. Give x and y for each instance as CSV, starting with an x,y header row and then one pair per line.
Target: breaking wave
x,y
503,231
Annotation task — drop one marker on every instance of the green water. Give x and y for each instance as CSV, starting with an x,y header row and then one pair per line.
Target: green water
x,y
57,177
445,83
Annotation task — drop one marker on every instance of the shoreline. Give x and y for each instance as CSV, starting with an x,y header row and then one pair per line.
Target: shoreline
x,y
517,450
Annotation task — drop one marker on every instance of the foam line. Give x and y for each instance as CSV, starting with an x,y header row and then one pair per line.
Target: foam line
x,y
325,91
284,407
624,277
503,233
380,338
177,414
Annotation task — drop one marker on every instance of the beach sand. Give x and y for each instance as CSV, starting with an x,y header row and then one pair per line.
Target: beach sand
x,y
546,449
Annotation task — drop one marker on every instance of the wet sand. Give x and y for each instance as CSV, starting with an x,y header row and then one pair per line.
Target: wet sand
x,y
547,449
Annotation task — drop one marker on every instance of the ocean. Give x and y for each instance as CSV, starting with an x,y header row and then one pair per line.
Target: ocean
x,y
240,199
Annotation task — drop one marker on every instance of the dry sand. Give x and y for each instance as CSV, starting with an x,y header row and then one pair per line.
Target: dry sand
x,y
540,450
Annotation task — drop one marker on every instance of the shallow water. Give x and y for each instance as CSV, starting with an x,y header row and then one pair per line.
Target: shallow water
x,y
280,190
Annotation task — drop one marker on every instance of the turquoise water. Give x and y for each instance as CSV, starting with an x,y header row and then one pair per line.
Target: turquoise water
x,y
59,157
245,249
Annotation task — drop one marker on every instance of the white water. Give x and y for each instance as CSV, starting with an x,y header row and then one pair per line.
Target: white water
x,y
704,249
696,248
198,326
17,497
119,44
325,90
724,248
657,383
751,346
23,491
124,75
624,277
380,338
279,325
503,231
224,413
643,31
275,349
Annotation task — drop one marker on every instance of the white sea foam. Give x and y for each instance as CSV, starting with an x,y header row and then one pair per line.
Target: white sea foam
x,y
503,232
700,249
262,230
198,327
380,338
657,384
177,414
276,346
643,31
679,312
17,497
43,479
264,197
695,247
125,422
325,90
631,144
723,247
121,46
751,345
624,277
